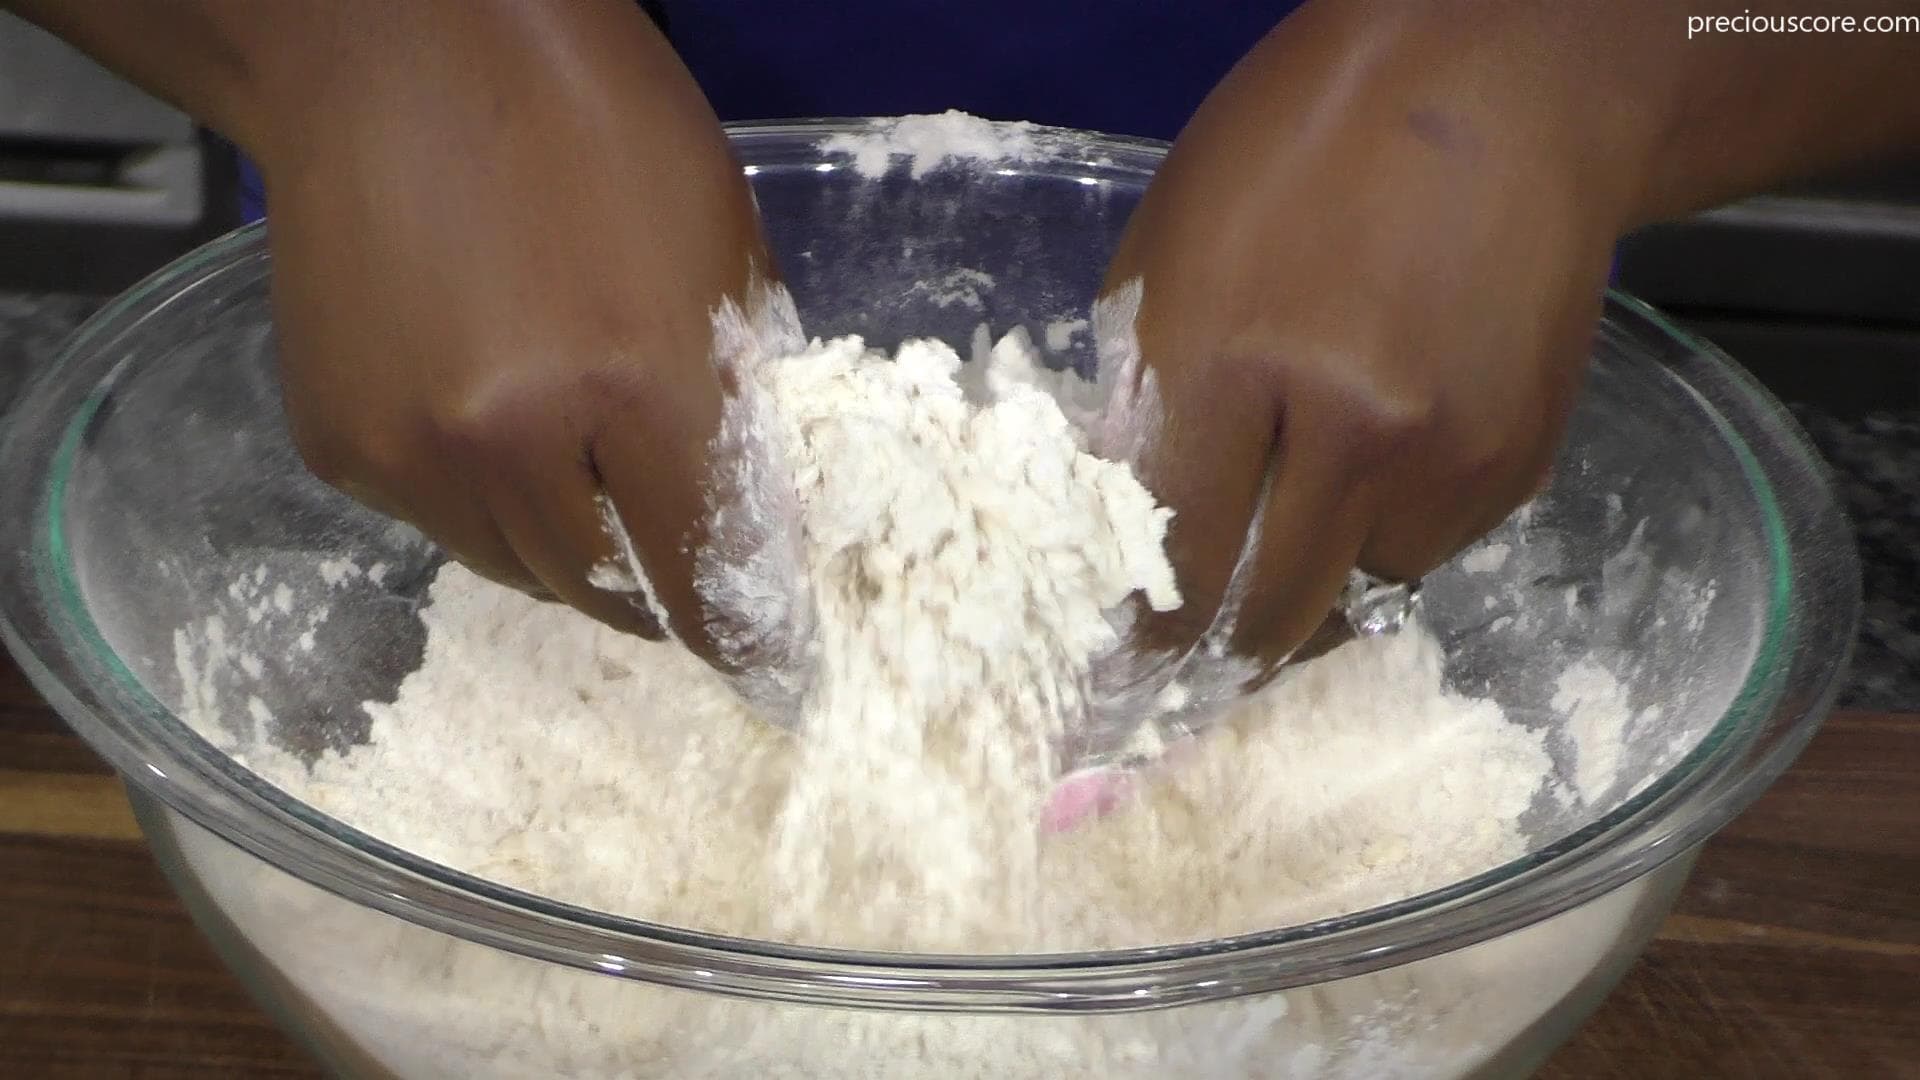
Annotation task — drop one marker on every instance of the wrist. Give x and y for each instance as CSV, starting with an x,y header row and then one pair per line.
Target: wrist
x,y
1554,99
348,78
1666,122
1469,110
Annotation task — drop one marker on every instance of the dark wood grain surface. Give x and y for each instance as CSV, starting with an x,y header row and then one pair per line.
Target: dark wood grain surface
x,y
1795,952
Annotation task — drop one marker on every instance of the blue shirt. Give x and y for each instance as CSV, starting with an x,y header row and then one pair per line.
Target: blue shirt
x,y
1127,67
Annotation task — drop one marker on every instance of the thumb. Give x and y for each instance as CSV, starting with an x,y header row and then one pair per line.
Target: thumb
x,y
1201,445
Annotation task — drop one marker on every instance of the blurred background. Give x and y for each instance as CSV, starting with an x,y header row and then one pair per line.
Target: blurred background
x,y
99,183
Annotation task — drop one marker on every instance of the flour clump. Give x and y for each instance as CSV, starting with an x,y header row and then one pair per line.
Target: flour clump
x,y
962,556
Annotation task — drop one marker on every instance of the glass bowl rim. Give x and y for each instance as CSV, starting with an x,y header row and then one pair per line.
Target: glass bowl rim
x,y
168,761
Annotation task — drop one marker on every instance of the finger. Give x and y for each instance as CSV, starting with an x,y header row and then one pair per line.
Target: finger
x,y
1205,460
739,612
449,512
1198,432
397,478
651,467
549,512
474,541
526,463
1317,512
1441,502
1334,631
1199,441
713,530
1413,536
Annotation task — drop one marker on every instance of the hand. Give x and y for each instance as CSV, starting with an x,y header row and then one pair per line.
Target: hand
x,y
495,274
1370,280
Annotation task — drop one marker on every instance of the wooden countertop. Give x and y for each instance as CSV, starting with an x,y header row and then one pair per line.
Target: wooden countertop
x,y
1795,952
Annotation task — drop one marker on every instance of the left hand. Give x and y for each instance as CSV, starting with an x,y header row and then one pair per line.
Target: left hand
x,y
1371,277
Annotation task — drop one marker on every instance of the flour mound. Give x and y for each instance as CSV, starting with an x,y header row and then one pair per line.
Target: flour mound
x,y
932,141
961,554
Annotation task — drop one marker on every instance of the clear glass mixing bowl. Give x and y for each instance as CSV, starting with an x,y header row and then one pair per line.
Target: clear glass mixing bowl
x,y
1690,541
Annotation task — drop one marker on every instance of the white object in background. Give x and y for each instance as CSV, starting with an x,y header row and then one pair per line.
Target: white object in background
x,y
143,158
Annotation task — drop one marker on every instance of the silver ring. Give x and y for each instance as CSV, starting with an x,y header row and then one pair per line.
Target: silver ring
x,y
1375,605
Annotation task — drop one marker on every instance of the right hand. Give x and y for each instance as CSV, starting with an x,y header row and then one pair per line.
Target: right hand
x,y
495,268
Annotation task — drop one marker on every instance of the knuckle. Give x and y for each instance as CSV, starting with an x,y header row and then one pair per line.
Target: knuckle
x,y
1365,407
501,419
491,421
1373,426
1392,418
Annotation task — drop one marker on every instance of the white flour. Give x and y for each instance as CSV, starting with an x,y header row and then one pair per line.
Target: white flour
x,y
545,752
961,556
964,287
533,748
1595,705
960,551
931,141
1060,333
1487,559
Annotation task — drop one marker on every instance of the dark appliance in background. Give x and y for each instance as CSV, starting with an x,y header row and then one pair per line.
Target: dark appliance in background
x,y
100,184
1815,289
